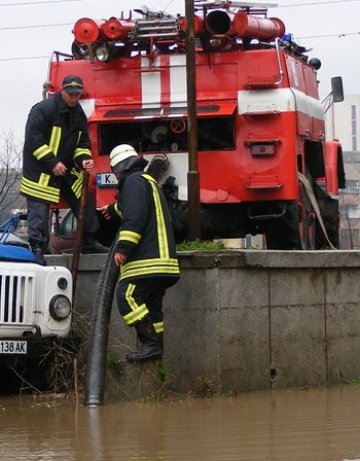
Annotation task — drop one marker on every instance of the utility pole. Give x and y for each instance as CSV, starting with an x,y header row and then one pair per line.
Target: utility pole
x,y
194,227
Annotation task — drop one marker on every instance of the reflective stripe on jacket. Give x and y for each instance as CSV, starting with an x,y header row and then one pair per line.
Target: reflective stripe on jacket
x,y
54,132
146,234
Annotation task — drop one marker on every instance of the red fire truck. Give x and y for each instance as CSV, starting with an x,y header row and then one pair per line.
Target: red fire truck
x,y
265,165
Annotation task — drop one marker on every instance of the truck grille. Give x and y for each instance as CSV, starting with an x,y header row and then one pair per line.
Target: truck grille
x,y
16,299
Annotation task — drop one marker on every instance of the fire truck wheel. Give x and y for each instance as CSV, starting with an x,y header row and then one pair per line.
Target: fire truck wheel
x,y
283,233
178,211
330,214
307,219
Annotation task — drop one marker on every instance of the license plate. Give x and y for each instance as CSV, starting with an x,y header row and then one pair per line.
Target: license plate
x,y
106,180
13,347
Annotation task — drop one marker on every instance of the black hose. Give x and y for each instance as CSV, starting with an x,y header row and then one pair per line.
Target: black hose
x,y
99,331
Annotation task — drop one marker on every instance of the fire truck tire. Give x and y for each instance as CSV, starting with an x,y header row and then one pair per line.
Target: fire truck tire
x,y
330,216
217,221
283,233
178,211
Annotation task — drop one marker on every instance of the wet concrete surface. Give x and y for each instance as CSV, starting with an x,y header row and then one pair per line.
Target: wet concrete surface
x,y
314,424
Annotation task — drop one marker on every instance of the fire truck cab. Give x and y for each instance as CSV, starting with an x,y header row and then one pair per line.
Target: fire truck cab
x,y
265,165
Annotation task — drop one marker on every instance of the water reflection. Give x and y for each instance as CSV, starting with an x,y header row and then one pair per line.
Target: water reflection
x,y
314,424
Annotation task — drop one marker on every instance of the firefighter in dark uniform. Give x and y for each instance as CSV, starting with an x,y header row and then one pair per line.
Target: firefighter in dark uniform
x,y
56,150
145,251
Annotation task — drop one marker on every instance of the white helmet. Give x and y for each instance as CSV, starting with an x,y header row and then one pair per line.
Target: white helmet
x,y
120,153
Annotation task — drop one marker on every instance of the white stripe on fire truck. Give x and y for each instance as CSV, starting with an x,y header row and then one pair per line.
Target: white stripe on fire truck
x,y
150,83
279,100
178,91
169,84
88,106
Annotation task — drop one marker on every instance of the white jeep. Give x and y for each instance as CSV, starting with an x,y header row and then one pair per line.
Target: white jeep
x,y
35,301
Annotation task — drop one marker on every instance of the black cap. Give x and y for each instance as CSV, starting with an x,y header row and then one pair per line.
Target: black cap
x,y
72,84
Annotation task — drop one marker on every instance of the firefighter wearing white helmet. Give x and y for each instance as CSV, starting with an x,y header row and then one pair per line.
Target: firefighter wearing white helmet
x,y
121,153
145,251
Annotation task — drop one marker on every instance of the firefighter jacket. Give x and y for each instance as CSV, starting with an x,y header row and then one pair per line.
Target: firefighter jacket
x,y
145,235
54,132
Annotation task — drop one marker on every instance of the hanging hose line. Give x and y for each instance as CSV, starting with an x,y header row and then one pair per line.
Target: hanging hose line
x,y
99,331
309,190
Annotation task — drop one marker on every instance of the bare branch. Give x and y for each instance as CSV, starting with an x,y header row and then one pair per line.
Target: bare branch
x,y
10,170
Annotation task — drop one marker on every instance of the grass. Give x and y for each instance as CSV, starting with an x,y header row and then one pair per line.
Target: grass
x,y
355,382
206,387
200,246
115,364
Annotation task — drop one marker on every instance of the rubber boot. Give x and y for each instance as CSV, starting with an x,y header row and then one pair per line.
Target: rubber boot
x,y
38,251
149,348
91,245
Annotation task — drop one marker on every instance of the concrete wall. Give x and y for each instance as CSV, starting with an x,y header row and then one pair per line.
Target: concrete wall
x,y
243,320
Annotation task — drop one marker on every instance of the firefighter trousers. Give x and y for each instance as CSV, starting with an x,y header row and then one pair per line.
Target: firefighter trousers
x,y
141,297
38,215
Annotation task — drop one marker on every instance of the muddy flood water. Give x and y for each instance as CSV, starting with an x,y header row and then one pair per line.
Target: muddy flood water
x,y
311,425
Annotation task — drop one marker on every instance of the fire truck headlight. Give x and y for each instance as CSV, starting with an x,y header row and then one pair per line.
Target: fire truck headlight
x,y
102,53
60,307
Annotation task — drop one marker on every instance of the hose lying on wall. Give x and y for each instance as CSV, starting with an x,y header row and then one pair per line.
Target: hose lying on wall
x,y
99,332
